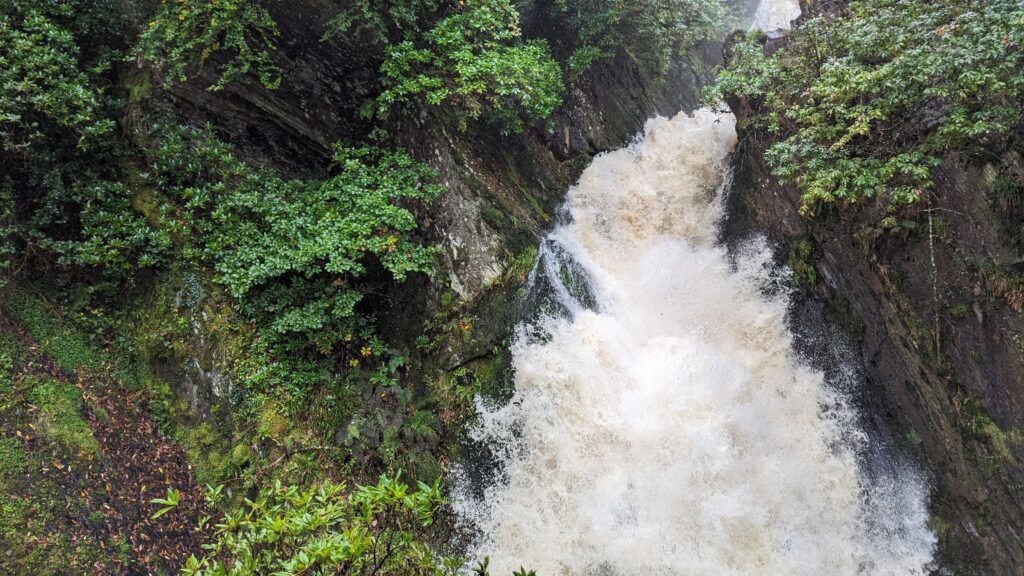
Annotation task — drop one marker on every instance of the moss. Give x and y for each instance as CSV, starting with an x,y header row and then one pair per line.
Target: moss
x,y
272,423
535,206
147,202
59,417
959,311
28,538
940,527
493,216
799,261
12,461
59,341
447,298
981,427
207,451
10,356
240,455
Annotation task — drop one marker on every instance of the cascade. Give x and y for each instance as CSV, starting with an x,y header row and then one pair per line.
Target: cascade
x,y
662,423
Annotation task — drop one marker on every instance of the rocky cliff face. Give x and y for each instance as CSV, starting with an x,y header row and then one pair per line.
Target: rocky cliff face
x,y
930,312
501,192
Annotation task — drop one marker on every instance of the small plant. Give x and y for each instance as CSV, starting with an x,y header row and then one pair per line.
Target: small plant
x,y
328,529
167,504
799,261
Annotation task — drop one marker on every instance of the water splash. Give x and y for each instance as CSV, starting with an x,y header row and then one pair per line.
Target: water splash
x,y
775,15
662,423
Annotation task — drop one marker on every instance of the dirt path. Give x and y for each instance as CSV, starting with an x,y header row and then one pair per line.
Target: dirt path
x,y
99,502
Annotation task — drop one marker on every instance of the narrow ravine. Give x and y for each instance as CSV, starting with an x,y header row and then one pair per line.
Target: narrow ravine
x,y
662,423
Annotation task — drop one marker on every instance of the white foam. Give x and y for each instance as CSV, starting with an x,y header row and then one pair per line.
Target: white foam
x,y
671,429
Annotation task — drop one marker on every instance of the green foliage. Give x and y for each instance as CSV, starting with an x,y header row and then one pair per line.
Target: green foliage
x,y
8,234
376,20
650,32
866,103
166,504
62,343
60,415
327,529
112,235
799,261
237,35
45,88
292,251
476,62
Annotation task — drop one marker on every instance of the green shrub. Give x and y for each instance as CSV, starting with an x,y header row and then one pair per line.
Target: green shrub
x,y
293,251
45,88
184,34
650,32
327,529
867,102
476,62
374,21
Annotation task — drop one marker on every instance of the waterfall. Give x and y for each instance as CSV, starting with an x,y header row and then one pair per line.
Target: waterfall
x,y
661,422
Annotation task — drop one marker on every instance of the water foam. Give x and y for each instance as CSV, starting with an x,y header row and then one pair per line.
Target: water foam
x,y
667,427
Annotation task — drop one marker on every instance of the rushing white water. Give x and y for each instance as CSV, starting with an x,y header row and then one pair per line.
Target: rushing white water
x,y
662,424
775,15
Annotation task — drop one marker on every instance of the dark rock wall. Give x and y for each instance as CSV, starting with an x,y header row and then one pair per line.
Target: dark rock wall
x,y
935,332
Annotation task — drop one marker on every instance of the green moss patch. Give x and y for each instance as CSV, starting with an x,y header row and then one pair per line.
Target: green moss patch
x,y
66,346
59,417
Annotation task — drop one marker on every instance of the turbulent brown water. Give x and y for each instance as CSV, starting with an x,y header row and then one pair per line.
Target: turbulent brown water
x,y
662,424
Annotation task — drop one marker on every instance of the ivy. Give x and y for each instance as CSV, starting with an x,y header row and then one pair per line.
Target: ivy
x,y
865,104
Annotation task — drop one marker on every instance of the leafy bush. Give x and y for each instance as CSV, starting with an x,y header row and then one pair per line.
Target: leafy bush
x,y
292,251
648,31
867,102
184,34
327,529
378,20
44,87
475,61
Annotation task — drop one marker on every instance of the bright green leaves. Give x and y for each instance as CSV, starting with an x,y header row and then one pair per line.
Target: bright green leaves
x,y
44,87
294,252
184,34
650,32
297,247
328,529
867,102
476,62
166,504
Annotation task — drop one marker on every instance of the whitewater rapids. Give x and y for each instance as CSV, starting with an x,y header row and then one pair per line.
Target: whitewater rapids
x,y
663,425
